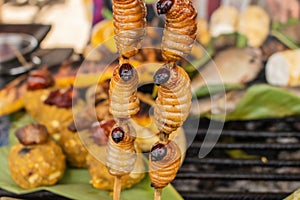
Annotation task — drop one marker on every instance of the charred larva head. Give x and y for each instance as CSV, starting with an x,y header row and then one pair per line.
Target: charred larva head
x,y
161,76
163,6
117,134
126,71
158,152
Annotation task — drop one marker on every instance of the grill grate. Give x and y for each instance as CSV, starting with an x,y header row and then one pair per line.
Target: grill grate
x,y
271,169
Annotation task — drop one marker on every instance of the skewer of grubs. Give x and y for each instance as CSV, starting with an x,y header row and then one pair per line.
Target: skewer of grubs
x,y
129,27
174,90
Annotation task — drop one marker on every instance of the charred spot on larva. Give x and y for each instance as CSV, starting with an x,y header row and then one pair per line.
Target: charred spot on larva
x,y
117,134
161,76
163,6
126,71
158,152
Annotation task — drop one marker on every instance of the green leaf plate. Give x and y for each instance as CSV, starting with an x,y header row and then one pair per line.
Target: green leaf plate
x,y
75,183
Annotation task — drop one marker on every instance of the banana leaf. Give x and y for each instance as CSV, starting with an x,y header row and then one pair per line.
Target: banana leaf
x,y
75,183
263,101
295,195
208,90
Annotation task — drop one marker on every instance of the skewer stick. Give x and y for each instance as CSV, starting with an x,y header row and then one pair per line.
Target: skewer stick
x,y
117,188
157,194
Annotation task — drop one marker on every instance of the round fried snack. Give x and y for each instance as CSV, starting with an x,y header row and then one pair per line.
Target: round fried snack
x,y
73,148
40,163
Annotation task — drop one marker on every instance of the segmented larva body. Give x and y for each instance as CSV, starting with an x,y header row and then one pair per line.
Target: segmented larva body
x,y
180,28
129,22
121,155
164,163
173,101
123,100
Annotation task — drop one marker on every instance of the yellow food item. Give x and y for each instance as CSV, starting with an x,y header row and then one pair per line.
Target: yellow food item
x,y
73,148
103,32
283,68
102,179
203,34
36,165
254,23
33,100
223,21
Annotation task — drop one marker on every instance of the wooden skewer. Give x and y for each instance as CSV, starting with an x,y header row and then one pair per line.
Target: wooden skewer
x,y
117,188
157,194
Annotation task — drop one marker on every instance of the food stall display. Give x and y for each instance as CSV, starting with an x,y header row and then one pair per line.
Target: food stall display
x,y
243,66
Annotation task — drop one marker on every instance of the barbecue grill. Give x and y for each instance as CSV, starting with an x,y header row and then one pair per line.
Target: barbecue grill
x,y
272,172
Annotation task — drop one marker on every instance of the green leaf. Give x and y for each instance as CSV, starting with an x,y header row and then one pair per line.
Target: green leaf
x,y
241,41
75,183
107,13
208,90
294,196
150,1
240,154
265,101
287,41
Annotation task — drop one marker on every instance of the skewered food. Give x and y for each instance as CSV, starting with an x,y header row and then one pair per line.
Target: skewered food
x,y
164,164
180,29
36,160
174,91
122,92
129,23
129,27
283,68
121,153
174,98
100,176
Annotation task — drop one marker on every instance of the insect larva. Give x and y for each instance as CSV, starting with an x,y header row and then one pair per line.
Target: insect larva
x,y
123,98
173,101
180,28
164,163
129,22
121,153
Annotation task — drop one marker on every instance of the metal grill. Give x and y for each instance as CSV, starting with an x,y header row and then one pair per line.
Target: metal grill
x,y
270,150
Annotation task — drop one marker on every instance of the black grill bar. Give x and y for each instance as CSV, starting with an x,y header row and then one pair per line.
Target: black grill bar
x,y
254,146
237,176
233,196
245,134
273,149
242,162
